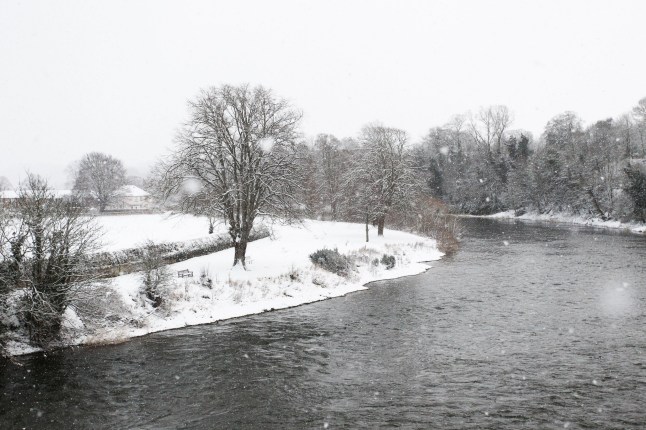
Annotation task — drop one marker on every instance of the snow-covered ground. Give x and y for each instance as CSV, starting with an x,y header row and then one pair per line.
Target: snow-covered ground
x,y
573,219
279,275
130,231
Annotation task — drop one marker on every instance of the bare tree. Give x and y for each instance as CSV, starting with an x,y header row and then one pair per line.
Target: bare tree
x,y
384,172
44,245
639,113
238,148
156,276
331,164
488,127
99,176
308,192
626,126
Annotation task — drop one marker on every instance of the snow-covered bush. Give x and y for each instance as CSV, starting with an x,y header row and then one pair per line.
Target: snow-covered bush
x,y
205,278
332,261
45,243
388,261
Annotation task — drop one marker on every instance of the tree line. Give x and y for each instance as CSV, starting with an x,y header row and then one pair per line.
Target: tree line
x,y
479,166
240,157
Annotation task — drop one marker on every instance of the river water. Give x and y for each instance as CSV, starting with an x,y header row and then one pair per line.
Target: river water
x,y
528,326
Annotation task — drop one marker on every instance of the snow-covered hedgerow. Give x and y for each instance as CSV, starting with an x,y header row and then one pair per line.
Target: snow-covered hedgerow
x,y
115,263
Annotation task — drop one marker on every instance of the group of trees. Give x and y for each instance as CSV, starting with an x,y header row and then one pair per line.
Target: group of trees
x,y
239,157
46,241
361,180
479,166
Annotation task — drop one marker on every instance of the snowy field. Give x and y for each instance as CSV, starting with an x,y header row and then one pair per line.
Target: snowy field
x,y
130,231
572,219
279,275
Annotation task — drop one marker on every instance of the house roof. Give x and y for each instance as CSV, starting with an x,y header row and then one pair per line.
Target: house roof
x,y
131,191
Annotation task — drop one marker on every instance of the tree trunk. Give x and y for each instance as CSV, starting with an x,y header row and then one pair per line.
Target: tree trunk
x,y
381,220
596,205
240,248
367,222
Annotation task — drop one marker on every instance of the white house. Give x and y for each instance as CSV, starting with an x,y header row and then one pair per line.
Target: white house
x,y
130,197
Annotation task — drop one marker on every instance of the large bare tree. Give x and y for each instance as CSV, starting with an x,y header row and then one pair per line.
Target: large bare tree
x,y
384,172
99,176
236,154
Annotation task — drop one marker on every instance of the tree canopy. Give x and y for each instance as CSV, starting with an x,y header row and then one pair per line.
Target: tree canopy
x,y
234,159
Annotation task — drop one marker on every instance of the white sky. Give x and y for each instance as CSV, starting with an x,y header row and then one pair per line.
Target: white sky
x,y
114,76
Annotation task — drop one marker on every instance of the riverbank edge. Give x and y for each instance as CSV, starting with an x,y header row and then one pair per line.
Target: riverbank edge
x,y
343,287
563,218
121,340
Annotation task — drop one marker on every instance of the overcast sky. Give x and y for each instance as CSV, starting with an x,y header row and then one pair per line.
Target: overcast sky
x,y
114,76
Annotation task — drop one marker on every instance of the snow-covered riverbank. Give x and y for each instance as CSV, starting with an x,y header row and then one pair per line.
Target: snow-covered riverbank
x,y
572,219
279,275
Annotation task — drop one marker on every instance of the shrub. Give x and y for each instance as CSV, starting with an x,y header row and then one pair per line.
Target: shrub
x,y
45,243
156,277
205,278
388,261
431,217
294,274
332,261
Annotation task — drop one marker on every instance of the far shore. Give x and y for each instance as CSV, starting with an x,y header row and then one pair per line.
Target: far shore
x,y
633,227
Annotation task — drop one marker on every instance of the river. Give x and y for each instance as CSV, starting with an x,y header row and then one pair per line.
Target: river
x,y
528,326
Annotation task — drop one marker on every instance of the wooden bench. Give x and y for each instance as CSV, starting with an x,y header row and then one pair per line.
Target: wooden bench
x,y
184,273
